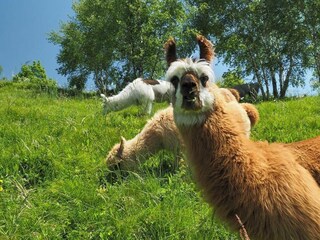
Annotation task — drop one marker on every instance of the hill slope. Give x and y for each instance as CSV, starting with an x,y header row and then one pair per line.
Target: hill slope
x,y
54,183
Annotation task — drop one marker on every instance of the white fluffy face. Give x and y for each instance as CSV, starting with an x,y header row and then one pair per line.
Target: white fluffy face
x,y
199,68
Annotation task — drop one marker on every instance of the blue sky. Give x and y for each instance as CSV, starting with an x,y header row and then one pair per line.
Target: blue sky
x,y
24,29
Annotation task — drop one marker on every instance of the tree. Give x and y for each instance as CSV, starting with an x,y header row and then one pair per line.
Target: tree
x,y
311,16
116,41
264,38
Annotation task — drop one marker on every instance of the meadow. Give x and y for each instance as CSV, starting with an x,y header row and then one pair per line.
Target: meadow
x,y
54,183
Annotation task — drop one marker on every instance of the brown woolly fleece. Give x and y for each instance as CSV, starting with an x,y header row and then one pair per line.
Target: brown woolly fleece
x,y
160,133
308,155
262,183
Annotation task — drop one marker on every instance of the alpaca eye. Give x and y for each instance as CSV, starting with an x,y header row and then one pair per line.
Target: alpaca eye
x,y
174,80
204,79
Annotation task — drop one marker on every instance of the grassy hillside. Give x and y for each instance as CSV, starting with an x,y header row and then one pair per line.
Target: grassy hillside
x,y
54,184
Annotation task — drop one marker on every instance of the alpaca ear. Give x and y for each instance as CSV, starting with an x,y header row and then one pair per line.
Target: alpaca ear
x,y
104,98
171,52
235,93
206,48
121,148
252,113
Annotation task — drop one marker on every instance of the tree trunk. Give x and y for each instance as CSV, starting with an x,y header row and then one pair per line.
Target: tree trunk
x,y
274,85
286,80
265,95
265,78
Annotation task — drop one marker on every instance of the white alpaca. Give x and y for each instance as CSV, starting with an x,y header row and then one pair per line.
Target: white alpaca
x,y
139,92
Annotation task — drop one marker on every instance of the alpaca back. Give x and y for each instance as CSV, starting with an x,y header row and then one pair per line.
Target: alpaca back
x,y
136,92
163,91
308,155
159,133
141,91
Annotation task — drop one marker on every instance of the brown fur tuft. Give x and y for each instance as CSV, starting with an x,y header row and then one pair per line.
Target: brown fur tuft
x,y
206,48
151,81
170,49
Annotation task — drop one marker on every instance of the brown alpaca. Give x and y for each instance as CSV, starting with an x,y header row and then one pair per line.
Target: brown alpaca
x,y
161,133
262,183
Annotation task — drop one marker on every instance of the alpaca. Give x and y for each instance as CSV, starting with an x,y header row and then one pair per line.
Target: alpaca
x,y
161,133
262,183
250,89
140,92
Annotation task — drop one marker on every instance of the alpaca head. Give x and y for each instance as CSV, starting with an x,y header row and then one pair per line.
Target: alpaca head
x,y
115,157
105,102
108,104
191,80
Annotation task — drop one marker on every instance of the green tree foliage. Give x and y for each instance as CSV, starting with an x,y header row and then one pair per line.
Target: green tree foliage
x,y
267,39
311,16
231,79
115,41
34,76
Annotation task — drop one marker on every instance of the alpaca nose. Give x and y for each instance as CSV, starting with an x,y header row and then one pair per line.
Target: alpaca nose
x,y
188,85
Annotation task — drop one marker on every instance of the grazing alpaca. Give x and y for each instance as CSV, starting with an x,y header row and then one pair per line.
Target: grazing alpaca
x,y
262,183
161,133
140,92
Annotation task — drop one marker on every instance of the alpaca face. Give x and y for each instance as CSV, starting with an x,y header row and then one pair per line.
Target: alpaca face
x,y
191,79
108,106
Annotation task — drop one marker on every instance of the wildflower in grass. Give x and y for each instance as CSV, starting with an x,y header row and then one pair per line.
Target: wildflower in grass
x,y
1,188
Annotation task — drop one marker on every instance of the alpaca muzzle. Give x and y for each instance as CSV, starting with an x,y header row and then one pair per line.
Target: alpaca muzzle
x,y
189,89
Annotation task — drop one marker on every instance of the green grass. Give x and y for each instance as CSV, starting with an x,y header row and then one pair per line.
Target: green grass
x,y
54,183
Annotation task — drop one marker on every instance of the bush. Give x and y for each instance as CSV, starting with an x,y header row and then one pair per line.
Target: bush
x,y
4,83
34,77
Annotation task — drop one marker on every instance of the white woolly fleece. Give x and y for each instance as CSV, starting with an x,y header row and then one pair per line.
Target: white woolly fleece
x,y
138,93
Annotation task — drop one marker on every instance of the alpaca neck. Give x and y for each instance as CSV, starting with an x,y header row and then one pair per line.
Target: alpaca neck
x,y
120,101
215,149
142,146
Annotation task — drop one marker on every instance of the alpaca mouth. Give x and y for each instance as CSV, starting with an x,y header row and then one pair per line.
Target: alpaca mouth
x,y
191,102
189,99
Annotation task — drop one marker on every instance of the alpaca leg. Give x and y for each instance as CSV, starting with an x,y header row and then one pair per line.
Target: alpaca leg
x,y
148,107
105,104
